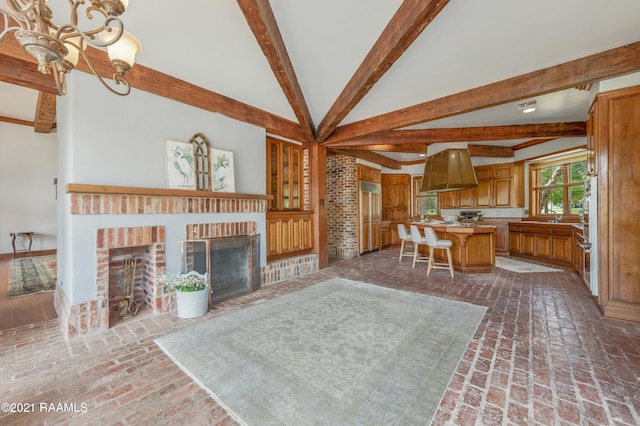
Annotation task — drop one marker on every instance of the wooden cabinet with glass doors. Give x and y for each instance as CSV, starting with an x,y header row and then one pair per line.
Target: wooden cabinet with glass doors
x,y
284,174
289,226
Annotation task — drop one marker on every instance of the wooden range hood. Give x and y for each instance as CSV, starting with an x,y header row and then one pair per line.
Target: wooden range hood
x,y
449,170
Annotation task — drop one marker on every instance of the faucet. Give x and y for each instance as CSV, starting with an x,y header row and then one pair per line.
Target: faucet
x,y
556,217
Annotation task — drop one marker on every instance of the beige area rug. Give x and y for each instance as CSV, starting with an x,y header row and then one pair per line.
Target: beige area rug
x,y
521,267
29,275
337,353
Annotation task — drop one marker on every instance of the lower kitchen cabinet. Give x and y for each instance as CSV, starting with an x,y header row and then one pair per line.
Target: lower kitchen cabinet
x,y
543,242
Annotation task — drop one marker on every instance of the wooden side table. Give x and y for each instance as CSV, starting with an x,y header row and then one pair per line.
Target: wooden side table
x,y
14,235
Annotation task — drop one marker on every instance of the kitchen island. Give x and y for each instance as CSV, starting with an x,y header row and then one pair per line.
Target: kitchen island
x,y
474,245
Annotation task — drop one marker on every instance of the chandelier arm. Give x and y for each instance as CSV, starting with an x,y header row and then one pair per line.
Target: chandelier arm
x,y
59,76
70,30
118,78
22,8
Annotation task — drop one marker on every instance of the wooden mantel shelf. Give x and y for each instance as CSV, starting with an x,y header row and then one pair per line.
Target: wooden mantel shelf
x,y
80,188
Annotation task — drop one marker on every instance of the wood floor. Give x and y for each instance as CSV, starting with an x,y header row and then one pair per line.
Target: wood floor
x,y
22,310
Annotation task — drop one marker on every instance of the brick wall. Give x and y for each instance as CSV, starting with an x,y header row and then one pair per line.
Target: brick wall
x,y
342,205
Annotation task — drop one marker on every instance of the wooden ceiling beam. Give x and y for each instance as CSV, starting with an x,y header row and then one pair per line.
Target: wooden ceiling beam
x,y
160,84
411,18
412,148
13,62
24,73
532,142
45,113
490,151
16,121
608,64
373,157
466,134
263,23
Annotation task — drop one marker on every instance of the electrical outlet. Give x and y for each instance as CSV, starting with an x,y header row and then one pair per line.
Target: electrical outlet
x,y
498,212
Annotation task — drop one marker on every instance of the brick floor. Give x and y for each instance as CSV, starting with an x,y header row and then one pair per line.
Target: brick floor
x,y
542,355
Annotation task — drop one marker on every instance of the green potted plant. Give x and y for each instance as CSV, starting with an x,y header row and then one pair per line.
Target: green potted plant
x,y
192,295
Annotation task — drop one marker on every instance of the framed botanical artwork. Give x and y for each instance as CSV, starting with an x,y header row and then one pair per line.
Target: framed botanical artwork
x,y
223,174
180,165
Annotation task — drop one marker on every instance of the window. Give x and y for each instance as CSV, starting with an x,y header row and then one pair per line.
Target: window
x,y
557,187
424,203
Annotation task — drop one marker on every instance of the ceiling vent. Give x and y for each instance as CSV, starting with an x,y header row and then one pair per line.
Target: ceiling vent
x,y
527,107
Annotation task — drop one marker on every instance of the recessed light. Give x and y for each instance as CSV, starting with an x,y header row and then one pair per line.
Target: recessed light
x,y
527,107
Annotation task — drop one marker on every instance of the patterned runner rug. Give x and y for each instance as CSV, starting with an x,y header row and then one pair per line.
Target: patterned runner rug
x,y
30,275
521,267
338,352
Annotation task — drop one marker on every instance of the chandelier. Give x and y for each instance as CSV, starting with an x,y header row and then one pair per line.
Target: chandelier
x,y
57,47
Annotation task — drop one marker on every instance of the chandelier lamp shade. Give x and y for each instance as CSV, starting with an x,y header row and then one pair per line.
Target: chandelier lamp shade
x,y
57,47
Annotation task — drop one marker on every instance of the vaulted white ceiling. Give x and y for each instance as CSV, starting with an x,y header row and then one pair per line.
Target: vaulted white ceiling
x,y
469,44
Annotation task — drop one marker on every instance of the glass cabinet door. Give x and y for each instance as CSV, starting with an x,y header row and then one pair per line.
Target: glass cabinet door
x,y
295,179
273,178
286,178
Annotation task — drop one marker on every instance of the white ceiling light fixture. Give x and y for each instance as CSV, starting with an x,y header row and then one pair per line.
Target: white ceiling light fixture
x,y
57,47
527,107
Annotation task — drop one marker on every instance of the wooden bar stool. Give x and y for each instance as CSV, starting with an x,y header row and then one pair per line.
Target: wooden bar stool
x,y
435,244
418,240
405,237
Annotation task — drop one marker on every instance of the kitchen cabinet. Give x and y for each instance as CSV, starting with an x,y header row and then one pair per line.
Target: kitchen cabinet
x,y
615,130
551,243
369,174
502,234
500,185
385,231
395,196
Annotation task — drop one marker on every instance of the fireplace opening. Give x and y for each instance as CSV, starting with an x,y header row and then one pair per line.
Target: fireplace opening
x,y
127,282
233,264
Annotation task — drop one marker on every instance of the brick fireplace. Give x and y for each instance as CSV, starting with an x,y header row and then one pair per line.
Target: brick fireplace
x,y
176,210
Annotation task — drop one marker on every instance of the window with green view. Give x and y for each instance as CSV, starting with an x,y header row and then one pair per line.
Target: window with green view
x,y
557,187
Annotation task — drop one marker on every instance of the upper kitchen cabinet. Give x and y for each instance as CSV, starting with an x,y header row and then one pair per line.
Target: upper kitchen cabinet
x,y
284,175
500,185
616,137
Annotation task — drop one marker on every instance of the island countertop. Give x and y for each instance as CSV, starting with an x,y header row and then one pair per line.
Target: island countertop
x,y
474,245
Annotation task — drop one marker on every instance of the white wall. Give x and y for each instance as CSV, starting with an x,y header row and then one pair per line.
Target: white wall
x,y
112,140
27,194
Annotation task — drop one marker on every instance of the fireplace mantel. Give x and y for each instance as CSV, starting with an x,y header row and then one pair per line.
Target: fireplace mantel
x,y
80,188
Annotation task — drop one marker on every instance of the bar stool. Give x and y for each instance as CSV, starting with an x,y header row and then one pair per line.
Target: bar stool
x,y
418,240
435,244
404,237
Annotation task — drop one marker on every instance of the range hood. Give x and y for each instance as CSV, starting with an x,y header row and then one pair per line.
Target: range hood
x,y
449,170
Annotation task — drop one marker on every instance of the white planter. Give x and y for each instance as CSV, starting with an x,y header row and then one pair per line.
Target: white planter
x,y
192,304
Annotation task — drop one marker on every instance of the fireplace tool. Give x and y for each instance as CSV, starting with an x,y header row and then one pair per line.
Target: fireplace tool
x,y
128,306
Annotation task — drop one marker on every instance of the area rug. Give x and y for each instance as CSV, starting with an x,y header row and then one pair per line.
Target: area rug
x,y
339,352
30,275
521,267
